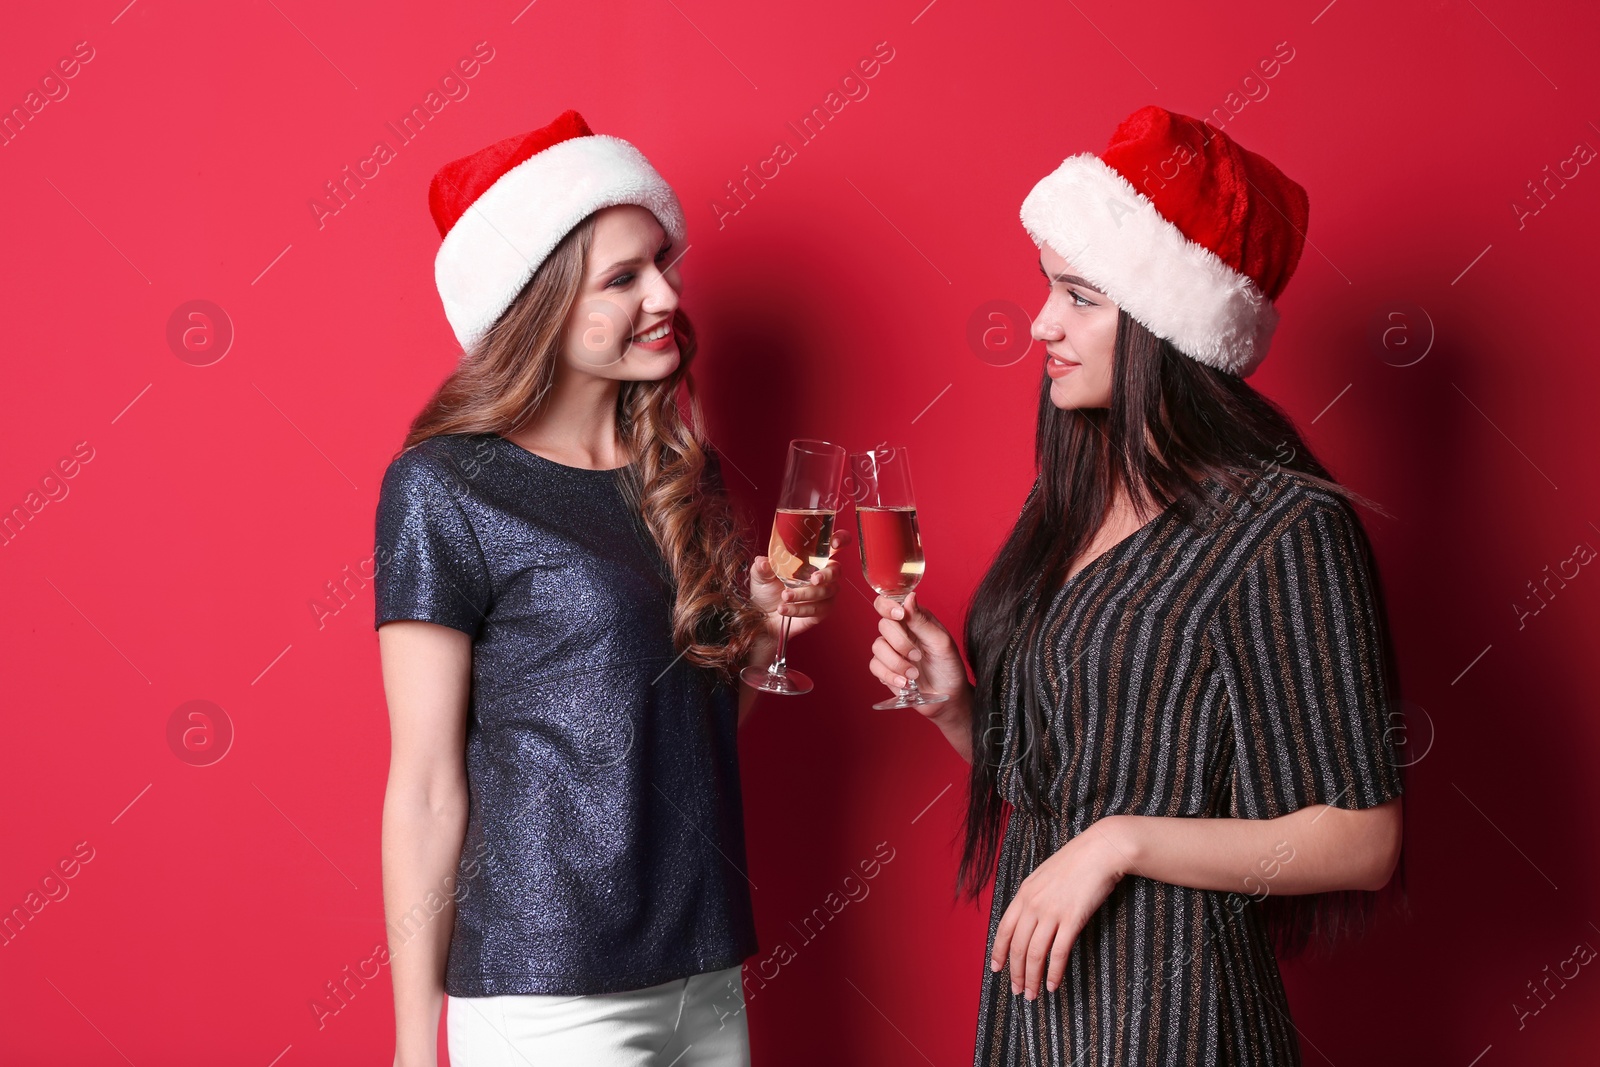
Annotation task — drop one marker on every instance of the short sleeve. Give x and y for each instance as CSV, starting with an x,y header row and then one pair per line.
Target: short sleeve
x,y
430,566
1299,643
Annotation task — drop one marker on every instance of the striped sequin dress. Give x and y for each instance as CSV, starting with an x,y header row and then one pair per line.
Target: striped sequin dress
x,y
1226,668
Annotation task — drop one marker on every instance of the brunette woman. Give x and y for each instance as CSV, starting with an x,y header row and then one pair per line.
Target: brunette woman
x,y
562,615
1179,728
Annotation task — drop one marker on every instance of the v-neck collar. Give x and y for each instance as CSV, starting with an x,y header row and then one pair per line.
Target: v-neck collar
x,y
1207,485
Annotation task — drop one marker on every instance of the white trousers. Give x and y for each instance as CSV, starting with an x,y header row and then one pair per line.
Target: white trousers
x,y
689,1022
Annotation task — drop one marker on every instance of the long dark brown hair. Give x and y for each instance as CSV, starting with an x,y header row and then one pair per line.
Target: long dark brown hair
x,y
505,377
1172,423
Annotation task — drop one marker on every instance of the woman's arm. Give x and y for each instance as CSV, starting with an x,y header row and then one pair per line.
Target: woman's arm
x,y
427,671
1315,849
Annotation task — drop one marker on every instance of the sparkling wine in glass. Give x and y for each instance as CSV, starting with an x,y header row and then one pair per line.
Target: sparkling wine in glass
x,y
801,544
891,545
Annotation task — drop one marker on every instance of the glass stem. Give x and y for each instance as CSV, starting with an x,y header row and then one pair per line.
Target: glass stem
x,y
777,668
908,690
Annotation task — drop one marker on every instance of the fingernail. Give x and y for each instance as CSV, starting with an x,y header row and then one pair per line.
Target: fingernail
x,y
899,614
1015,989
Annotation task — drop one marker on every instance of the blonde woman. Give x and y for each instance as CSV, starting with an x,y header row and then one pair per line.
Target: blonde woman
x,y
562,613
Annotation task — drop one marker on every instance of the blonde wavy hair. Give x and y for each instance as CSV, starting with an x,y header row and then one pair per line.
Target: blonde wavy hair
x,y
506,376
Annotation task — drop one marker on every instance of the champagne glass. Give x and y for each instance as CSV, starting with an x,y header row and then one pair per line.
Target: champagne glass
x,y
891,546
801,544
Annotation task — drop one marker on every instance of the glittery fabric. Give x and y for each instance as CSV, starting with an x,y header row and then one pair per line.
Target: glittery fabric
x,y
605,837
1198,671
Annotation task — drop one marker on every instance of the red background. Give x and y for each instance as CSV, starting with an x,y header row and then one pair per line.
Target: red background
x,y
183,562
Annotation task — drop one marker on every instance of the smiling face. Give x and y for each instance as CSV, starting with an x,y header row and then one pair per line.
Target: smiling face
x,y
1078,326
620,326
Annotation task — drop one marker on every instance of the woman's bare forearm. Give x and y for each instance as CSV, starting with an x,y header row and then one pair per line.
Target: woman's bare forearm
x,y
1313,850
421,849
954,719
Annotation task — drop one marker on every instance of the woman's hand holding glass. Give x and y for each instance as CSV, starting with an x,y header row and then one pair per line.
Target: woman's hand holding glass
x,y
805,605
800,556
912,643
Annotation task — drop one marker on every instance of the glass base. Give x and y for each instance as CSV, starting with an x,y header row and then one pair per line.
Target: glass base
x,y
911,699
791,683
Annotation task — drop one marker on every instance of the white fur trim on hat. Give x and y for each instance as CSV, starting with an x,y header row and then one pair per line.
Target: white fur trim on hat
x,y
1182,291
499,242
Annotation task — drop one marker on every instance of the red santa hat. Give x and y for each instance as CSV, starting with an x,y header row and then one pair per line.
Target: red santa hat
x,y
1192,235
503,210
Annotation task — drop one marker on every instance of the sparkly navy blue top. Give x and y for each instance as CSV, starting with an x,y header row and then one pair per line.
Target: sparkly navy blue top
x,y
605,834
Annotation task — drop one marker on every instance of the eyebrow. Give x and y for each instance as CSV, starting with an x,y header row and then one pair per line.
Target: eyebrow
x,y
1068,279
632,261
